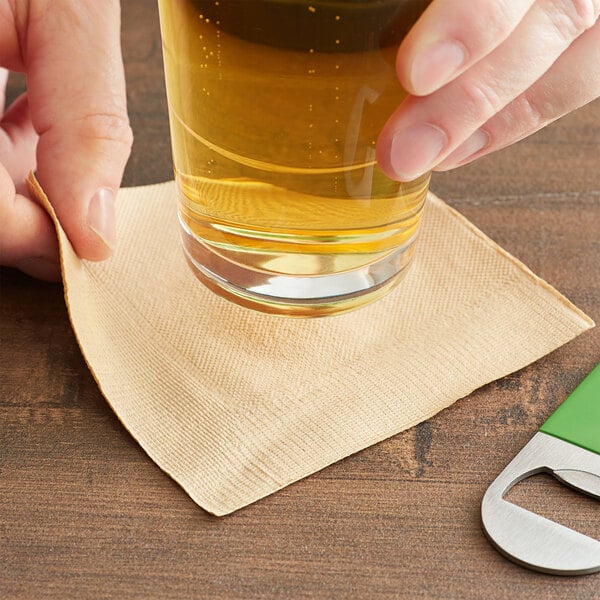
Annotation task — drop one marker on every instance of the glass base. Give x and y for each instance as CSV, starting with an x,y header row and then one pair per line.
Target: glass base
x,y
295,295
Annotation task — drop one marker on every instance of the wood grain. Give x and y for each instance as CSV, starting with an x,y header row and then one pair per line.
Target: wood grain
x,y
85,514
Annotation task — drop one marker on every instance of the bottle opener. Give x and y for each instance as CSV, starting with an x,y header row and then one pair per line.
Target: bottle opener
x,y
567,446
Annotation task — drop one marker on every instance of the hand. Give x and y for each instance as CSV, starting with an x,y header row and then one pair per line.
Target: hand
x,y
71,126
483,75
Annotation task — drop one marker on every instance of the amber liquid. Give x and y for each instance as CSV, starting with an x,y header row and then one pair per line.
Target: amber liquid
x,y
275,108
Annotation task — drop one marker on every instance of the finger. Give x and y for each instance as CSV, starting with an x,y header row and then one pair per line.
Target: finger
x,y
424,131
18,140
27,237
78,106
450,37
569,84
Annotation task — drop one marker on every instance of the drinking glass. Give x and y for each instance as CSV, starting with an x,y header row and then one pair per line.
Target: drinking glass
x,y
275,107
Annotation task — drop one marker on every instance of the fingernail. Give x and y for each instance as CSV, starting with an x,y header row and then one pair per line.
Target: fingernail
x,y
471,146
101,216
414,151
435,66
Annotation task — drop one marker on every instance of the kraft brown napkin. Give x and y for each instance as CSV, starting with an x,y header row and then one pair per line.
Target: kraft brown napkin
x,y
235,405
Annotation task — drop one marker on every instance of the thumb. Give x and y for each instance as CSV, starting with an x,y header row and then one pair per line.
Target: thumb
x,y
78,107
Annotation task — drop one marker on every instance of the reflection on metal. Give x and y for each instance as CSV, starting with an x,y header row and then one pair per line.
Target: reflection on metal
x,y
529,539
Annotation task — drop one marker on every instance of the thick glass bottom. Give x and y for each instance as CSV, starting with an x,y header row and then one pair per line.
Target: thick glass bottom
x,y
295,295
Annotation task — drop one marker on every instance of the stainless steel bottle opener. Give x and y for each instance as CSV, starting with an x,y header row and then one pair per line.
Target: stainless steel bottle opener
x,y
568,447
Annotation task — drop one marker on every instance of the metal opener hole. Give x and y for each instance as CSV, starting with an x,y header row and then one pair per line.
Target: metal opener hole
x,y
545,495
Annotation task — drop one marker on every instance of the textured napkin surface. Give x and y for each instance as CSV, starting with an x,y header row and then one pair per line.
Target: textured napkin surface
x,y
235,405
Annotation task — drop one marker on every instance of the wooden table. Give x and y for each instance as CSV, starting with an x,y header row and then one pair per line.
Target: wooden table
x,y
84,513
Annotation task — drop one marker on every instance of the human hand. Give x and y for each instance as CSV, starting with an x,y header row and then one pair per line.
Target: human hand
x,y
71,126
483,75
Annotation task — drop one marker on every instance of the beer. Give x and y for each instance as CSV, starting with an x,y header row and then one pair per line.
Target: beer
x,y
275,107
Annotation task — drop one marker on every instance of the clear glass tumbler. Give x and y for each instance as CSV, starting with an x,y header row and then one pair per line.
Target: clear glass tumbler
x,y
275,107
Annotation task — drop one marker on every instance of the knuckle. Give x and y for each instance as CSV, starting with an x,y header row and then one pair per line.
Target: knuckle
x,y
534,113
498,19
572,17
587,12
110,126
483,100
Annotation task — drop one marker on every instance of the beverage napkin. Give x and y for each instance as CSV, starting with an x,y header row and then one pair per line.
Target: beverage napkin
x,y
234,404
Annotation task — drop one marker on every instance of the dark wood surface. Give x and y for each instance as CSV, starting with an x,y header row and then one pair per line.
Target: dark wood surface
x,y
84,513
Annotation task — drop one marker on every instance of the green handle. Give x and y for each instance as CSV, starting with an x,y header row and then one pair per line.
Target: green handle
x,y
577,419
